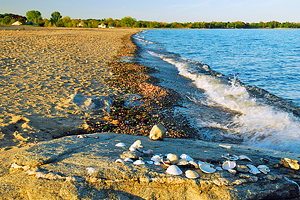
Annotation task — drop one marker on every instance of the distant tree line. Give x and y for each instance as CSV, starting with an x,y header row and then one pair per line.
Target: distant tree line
x,y
57,20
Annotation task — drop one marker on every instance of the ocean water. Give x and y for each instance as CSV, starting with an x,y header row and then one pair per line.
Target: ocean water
x,y
238,86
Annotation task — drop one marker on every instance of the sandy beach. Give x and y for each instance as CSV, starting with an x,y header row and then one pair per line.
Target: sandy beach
x,y
42,70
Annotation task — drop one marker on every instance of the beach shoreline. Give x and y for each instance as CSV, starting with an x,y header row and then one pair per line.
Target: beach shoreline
x,y
43,71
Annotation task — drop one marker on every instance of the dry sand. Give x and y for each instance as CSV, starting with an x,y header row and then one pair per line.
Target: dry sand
x,y
41,70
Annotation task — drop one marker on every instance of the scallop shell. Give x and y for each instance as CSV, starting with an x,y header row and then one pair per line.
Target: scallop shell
x,y
119,161
121,144
253,169
243,157
174,170
191,174
229,165
138,162
172,158
186,157
263,168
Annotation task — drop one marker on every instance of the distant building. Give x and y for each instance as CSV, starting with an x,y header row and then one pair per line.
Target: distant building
x,y
16,23
80,24
103,25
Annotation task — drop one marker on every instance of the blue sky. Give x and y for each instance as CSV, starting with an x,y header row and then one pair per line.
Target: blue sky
x,y
163,10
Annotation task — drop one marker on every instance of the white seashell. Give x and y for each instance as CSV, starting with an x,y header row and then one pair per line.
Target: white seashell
x,y
174,170
230,156
121,144
79,136
225,146
128,160
207,168
191,174
186,157
90,170
136,145
193,164
150,162
119,161
156,158
263,168
229,165
172,158
138,162
253,169
243,157
156,163
182,162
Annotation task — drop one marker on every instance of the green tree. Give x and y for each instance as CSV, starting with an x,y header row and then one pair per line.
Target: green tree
x,y
55,16
67,21
6,20
34,16
127,21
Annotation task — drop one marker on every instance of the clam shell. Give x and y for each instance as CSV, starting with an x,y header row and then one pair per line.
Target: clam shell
x,y
121,144
156,158
230,156
193,164
186,157
263,168
229,165
136,145
207,168
174,170
182,162
128,160
253,169
172,158
191,174
243,157
138,162
119,161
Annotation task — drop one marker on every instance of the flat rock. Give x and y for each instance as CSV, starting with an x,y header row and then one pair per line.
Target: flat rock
x,y
59,169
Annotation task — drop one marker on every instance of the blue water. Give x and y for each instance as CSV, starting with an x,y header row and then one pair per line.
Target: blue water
x,y
240,86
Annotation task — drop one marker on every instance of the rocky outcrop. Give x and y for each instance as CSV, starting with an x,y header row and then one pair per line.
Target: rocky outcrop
x,y
85,168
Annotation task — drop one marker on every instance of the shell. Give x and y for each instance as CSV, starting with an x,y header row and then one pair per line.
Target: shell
x,y
207,168
182,162
243,157
229,165
230,156
156,163
150,162
172,158
289,163
253,169
119,161
121,144
193,164
263,168
191,174
79,136
186,157
156,158
174,170
225,146
90,170
136,145
128,160
138,162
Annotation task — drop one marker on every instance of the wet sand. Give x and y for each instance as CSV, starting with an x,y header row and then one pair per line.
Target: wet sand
x,y
42,70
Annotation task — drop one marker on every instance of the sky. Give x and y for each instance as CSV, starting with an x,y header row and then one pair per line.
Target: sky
x,y
162,10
